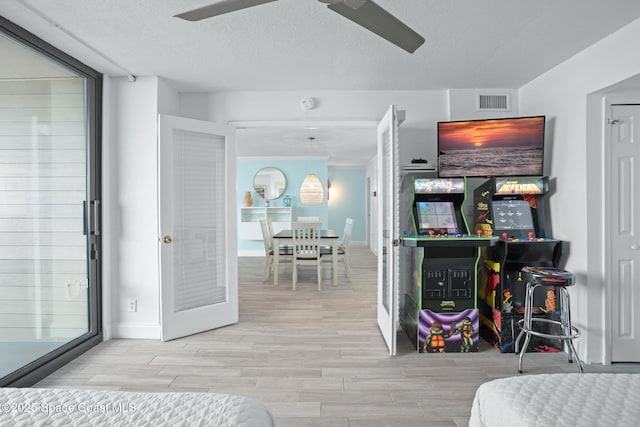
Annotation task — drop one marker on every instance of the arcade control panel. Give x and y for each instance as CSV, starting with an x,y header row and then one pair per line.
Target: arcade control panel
x,y
448,240
510,239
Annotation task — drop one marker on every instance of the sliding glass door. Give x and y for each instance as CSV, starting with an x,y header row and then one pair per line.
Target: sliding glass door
x,y
49,206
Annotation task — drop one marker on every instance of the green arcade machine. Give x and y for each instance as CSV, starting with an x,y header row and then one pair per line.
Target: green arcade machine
x,y
441,306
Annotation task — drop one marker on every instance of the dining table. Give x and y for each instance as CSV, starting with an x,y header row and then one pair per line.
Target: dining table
x,y
328,238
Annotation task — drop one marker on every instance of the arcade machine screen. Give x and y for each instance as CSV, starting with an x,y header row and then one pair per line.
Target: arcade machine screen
x,y
436,218
512,217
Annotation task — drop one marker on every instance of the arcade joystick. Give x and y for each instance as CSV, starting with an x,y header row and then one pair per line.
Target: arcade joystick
x,y
504,236
530,235
431,233
479,233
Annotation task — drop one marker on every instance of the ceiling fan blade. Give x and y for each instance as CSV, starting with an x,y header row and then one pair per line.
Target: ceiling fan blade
x,y
374,18
219,8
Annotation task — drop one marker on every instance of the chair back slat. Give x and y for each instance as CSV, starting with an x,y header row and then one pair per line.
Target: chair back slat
x,y
346,235
266,236
306,240
270,228
306,248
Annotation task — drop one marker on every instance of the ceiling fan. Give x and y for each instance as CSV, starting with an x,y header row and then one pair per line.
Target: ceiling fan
x,y
365,13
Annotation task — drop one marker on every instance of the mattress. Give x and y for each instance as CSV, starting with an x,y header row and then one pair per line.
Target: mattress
x,y
558,400
62,407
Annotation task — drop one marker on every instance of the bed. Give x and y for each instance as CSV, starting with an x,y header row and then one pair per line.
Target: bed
x,y
72,407
558,400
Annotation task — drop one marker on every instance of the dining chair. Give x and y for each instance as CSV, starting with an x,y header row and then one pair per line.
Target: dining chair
x,y
306,249
270,228
267,236
343,248
284,249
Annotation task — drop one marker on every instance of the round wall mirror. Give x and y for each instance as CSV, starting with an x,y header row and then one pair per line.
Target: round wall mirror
x,y
269,183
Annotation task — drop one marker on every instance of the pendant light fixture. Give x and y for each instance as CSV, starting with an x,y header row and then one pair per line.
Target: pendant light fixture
x,y
311,191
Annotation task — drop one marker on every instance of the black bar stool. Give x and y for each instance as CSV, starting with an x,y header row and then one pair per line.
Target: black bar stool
x,y
560,279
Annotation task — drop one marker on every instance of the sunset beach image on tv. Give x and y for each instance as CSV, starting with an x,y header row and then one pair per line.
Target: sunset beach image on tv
x,y
494,147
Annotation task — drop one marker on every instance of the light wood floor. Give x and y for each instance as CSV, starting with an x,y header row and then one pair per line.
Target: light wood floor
x,y
315,359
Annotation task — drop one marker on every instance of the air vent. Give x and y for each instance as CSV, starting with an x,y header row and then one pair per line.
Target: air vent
x,y
493,102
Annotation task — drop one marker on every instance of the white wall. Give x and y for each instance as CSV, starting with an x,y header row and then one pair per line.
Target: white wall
x,y
168,98
132,169
109,215
561,94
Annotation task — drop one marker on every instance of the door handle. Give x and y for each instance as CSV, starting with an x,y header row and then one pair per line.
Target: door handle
x,y
91,217
167,239
96,217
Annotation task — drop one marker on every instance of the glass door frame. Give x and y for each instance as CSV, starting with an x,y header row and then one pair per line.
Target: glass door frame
x,y
40,368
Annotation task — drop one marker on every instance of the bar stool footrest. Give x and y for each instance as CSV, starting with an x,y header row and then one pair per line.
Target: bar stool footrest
x,y
575,331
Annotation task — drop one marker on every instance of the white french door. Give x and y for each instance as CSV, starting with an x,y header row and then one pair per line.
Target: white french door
x,y
388,227
197,232
625,240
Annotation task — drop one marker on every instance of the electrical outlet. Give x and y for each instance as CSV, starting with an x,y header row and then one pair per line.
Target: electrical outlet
x,y
133,305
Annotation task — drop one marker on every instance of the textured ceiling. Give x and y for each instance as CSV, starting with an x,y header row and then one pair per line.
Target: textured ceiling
x,y
301,45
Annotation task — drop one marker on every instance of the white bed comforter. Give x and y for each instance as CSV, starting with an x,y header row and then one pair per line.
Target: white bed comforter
x,y
611,400
62,407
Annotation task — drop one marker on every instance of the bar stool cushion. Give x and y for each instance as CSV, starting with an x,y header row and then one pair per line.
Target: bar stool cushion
x,y
547,276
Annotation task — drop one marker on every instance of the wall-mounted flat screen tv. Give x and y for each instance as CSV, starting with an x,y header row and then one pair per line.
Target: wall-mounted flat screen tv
x,y
492,147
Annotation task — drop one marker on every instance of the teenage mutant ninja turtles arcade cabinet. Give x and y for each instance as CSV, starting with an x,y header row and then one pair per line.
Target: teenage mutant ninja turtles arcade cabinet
x,y
441,312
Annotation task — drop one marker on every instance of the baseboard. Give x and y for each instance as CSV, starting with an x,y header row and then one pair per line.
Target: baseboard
x,y
250,252
107,331
136,331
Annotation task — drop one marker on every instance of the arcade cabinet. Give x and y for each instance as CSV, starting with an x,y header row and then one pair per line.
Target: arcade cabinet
x,y
441,311
514,209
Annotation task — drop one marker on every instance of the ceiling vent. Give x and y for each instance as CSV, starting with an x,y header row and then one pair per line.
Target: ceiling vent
x,y
493,102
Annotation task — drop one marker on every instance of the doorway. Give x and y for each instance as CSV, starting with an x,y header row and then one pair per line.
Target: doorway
x,y
336,151
336,148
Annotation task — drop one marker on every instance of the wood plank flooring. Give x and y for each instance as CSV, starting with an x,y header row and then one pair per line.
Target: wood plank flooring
x,y
315,359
